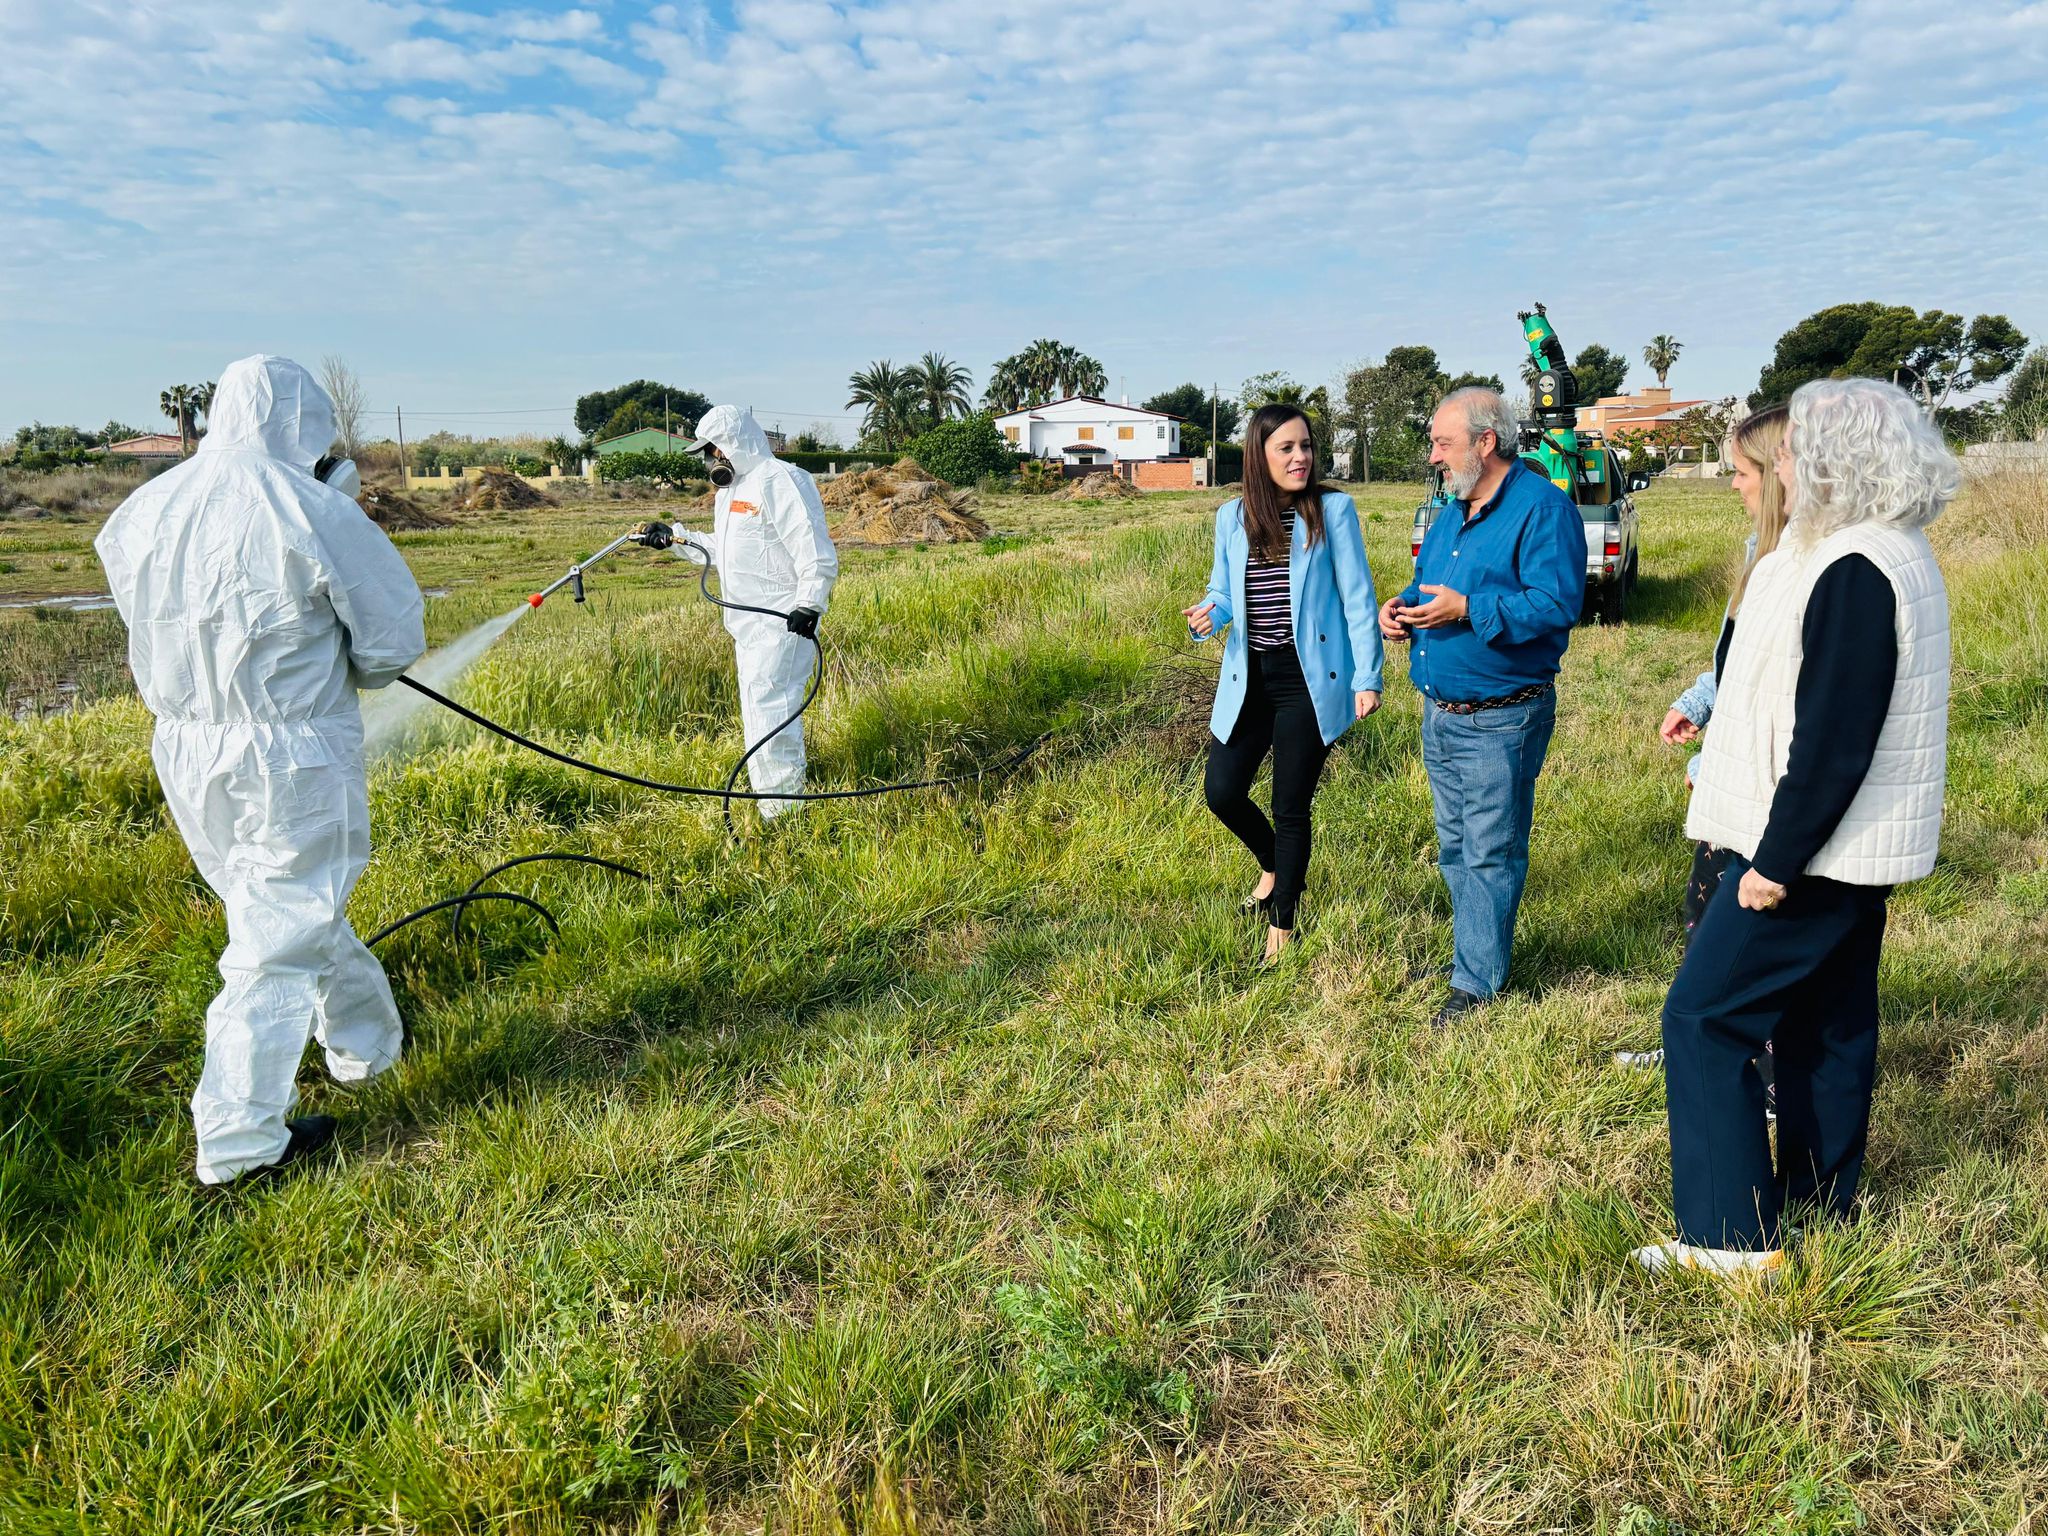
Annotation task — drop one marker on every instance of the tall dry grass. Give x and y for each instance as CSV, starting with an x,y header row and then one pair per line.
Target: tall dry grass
x,y
2000,511
85,490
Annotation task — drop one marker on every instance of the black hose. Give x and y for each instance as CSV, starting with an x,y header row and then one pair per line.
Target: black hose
x,y
719,794
477,893
726,794
457,902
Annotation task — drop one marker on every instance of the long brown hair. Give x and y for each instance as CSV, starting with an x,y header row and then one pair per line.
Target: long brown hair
x,y
1757,439
1265,504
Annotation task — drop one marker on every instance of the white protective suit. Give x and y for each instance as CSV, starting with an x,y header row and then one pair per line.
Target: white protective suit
x,y
257,601
772,550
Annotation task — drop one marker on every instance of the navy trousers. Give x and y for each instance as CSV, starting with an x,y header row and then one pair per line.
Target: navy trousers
x,y
1802,976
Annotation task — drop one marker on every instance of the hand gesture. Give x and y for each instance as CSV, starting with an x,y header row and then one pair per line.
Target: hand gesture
x,y
1200,625
1445,606
1390,627
1677,729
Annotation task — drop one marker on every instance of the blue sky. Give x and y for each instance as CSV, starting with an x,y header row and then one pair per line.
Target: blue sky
x,y
488,210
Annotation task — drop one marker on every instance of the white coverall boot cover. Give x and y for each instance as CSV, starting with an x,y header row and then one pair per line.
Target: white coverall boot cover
x,y
257,601
773,551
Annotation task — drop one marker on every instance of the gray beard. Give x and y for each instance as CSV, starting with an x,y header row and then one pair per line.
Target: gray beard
x,y
1462,483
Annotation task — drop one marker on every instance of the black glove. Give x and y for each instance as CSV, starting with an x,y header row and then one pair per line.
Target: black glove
x,y
655,535
804,621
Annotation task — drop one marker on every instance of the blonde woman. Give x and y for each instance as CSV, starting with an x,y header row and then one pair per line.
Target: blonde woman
x,y
1754,444
1823,778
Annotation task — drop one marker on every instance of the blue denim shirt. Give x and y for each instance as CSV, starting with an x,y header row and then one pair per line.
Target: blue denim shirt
x,y
1521,563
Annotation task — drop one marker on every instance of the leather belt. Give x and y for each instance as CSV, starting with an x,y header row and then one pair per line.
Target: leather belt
x,y
1474,706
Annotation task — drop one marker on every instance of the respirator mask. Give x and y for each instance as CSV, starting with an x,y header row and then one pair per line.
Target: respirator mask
x,y
719,468
341,474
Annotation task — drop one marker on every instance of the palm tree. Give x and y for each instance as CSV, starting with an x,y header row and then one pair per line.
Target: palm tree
x,y
1660,354
1081,374
941,386
1041,363
1006,388
889,398
181,403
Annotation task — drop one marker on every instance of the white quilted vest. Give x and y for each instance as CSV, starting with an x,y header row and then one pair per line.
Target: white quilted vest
x,y
1893,827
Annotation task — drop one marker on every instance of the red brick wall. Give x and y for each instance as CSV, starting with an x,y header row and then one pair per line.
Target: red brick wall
x,y
1169,476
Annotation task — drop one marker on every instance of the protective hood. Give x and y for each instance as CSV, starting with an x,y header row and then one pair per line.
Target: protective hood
x,y
738,436
271,406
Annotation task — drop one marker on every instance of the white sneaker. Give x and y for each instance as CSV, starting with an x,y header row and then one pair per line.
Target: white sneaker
x,y
1659,1257
1640,1058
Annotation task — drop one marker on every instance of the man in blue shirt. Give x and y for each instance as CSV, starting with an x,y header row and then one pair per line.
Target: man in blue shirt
x,y
1496,593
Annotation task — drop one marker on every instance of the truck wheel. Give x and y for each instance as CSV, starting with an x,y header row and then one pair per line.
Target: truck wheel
x,y
1613,601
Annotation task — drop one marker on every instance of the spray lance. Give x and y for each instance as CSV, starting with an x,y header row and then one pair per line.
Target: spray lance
x,y
651,535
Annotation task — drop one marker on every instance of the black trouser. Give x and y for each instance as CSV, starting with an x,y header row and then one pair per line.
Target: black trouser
x,y
1277,713
1802,975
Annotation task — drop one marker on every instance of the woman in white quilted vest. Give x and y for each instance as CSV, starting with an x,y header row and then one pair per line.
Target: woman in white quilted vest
x,y
1822,776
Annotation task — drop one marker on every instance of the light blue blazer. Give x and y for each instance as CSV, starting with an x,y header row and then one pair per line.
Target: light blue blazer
x,y
1336,615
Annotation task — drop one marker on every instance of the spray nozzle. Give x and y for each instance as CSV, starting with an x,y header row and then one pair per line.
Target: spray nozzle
x,y
654,534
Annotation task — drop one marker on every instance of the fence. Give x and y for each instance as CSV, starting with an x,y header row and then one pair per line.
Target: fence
x,y
1989,458
446,478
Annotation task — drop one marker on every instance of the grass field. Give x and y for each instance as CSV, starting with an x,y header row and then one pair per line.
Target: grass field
x,y
943,1163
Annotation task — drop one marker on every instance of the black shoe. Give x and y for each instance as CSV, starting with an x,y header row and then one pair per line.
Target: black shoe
x,y
308,1136
1456,1006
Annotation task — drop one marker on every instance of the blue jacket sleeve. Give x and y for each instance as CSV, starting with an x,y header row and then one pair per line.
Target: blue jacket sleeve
x,y
1355,591
1219,576
1552,570
1697,702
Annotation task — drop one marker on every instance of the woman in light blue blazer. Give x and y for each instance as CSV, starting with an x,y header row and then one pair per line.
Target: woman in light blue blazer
x,y
1292,593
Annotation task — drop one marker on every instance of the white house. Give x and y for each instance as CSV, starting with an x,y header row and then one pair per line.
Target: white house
x,y
1082,431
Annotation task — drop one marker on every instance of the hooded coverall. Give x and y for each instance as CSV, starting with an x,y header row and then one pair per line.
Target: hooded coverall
x,y
258,600
772,550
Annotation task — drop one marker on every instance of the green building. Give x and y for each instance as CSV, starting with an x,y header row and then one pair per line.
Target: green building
x,y
646,440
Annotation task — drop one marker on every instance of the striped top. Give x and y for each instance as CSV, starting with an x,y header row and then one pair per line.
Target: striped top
x,y
1269,619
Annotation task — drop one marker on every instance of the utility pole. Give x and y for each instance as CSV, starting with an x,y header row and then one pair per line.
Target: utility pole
x,y
665,432
1212,432
404,469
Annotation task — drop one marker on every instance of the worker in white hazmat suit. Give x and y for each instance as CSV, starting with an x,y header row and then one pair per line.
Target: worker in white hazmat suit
x,y
772,551
258,600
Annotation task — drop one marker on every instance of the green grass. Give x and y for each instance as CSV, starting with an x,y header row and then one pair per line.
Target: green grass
x,y
943,1162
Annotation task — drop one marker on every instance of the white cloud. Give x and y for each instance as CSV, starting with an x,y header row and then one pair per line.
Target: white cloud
x,y
1211,186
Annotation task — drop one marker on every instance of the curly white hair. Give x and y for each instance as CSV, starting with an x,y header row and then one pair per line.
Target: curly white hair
x,y
1863,451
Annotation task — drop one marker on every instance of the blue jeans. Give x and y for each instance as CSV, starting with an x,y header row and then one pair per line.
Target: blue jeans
x,y
1482,776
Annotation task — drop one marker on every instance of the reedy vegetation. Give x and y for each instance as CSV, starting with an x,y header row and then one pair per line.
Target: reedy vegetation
x,y
942,1162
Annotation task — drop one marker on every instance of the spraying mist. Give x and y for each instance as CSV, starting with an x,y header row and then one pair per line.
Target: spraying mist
x,y
390,713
